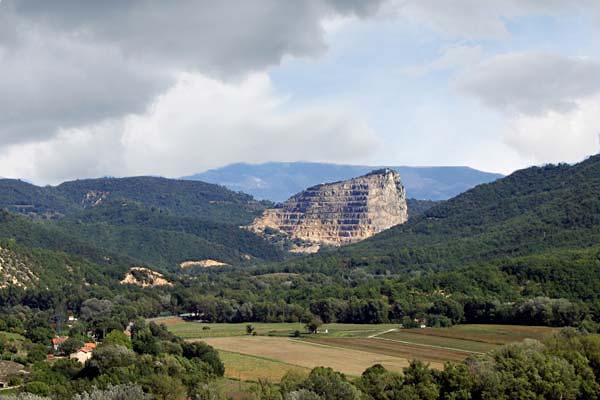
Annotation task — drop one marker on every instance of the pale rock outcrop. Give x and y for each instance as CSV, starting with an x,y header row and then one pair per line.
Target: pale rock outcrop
x,y
203,264
15,271
339,213
145,277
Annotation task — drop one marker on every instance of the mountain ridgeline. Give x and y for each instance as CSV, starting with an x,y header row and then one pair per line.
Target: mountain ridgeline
x,y
523,249
145,221
535,232
182,198
277,181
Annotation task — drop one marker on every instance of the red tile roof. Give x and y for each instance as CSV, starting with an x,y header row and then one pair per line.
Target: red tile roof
x,y
59,340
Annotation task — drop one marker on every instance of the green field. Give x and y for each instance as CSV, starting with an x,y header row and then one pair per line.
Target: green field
x,y
438,341
484,333
251,368
194,330
349,348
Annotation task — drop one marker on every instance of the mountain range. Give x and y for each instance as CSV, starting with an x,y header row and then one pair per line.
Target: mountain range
x,y
135,221
277,181
533,233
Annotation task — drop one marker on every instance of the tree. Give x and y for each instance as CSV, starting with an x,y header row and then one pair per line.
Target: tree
x,y
41,335
204,353
107,357
455,382
330,385
419,382
117,338
313,325
120,392
165,387
302,394
97,313
24,396
380,384
35,352
70,346
39,388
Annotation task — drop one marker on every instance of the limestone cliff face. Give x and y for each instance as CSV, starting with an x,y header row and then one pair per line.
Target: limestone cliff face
x,y
338,213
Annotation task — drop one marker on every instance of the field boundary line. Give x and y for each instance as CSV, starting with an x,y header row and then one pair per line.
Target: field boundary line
x,y
429,345
382,333
317,344
273,360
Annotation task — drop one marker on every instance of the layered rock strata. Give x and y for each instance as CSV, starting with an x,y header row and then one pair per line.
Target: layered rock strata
x,y
339,213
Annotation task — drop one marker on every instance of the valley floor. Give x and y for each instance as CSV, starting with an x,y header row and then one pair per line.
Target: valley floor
x,y
348,348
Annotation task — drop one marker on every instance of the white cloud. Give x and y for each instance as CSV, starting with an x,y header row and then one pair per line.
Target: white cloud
x,y
550,102
478,19
532,83
555,136
66,64
198,124
450,57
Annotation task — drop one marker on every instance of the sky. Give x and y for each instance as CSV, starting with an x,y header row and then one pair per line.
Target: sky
x,y
149,87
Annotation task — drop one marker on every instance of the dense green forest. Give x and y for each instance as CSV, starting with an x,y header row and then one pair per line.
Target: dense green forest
x,y
522,250
184,198
148,221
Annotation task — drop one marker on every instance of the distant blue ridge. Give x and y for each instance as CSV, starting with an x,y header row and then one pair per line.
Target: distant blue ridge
x,y
277,181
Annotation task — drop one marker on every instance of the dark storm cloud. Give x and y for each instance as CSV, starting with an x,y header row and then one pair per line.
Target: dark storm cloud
x,y
69,63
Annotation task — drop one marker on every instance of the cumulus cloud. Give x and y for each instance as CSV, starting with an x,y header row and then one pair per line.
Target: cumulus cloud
x,y
67,63
450,57
199,123
476,19
555,136
532,83
551,102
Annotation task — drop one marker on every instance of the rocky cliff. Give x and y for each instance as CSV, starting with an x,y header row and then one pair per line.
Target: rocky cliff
x,y
337,213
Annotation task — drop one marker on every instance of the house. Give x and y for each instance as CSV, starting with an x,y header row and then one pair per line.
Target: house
x,y
71,320
90,345
57,341
84,353
8,369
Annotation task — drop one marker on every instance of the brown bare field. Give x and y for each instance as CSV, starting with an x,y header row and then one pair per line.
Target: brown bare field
x,y
492,334
309,355
432,355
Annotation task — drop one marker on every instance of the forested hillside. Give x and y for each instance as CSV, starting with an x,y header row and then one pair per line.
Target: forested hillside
x,y
184,198
533,211
520,250
163,239
139,221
